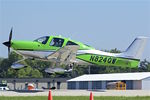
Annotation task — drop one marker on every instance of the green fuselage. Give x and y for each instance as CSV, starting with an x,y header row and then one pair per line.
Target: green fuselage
x,y
33,48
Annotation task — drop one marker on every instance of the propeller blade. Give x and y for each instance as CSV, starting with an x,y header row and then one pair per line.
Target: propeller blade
x,y
7,44
8,51
10,35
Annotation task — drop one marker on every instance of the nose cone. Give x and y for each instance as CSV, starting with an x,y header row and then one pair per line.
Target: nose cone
x,y
7,44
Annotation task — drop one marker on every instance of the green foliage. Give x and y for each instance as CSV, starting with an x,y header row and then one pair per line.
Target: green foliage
x,y
22,73
36,73
29,72
11,73
1,59
113,50
144,66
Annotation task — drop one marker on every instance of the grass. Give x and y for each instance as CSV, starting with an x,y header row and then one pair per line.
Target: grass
x,y
75,98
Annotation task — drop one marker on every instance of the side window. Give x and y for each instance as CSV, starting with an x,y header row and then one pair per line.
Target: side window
x,y
57,42
71,43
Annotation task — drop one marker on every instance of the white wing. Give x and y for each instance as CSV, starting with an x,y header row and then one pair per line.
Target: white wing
x,y
64,55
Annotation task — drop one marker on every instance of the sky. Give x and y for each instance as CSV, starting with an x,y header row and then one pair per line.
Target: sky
x,y
102,24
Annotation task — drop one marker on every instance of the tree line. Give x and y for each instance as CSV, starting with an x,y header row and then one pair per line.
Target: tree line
x,y
36,68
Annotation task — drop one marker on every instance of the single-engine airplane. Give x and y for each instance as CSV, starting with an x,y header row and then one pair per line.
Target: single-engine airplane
x,y
60,50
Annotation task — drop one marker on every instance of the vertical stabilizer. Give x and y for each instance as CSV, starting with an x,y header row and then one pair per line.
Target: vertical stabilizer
x,y
136,48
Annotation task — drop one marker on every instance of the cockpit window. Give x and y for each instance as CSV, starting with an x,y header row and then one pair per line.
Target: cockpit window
x,y
57,42
42,40
71,43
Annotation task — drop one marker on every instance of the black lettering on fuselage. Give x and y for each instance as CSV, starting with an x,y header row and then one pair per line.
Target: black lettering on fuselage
x,y
96,58
92,58
114,61
109,60
103,59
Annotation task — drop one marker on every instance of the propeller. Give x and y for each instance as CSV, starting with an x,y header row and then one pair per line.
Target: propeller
x,y
8,43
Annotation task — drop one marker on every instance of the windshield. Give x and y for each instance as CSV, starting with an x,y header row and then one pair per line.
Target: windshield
x,y
42,40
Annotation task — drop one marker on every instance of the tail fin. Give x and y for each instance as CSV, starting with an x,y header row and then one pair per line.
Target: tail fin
x,y
136,49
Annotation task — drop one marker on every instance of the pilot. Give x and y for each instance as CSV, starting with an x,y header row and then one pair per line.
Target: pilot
x,y
56,42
